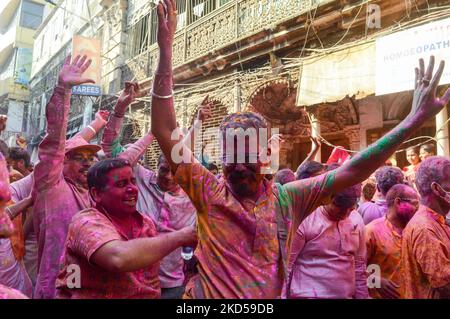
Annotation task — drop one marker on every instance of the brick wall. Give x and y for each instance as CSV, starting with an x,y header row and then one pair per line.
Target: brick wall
x,y
209,132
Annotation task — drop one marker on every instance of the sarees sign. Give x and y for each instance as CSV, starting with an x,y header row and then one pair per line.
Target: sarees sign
x,y
398,54
91,48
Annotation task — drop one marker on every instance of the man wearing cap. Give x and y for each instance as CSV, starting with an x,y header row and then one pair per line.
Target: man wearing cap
x,y
60,178
21,189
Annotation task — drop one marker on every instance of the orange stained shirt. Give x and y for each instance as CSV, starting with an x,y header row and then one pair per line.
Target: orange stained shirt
x,y
384,245
426,256
238,248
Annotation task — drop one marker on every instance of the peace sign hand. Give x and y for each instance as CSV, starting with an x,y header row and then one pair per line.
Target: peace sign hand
x,y
425,103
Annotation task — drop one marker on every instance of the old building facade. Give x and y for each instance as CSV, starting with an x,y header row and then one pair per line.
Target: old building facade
x,y
242,54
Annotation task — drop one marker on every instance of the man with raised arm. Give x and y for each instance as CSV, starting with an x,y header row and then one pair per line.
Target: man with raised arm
x,y
21,189
240,216
60,177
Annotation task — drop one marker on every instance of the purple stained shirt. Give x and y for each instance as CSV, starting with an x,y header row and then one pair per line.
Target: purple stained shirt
x,y
371,211
328,258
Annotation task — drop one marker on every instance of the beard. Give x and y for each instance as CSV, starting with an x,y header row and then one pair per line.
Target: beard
x,y
241,182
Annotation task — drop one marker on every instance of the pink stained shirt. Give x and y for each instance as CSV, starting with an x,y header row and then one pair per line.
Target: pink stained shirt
x,y
238,248
169,211
90,230
328,258
58,199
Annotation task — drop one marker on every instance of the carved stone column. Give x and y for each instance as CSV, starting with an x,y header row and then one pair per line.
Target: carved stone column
x,y
353,134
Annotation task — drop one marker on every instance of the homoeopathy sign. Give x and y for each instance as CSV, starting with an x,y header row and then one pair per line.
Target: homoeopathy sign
x,y
398,54
92,49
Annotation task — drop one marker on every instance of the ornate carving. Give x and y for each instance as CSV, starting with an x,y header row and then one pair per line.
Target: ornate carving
x,y
138,68
276,100
137,9
353,134
256,15
178,49
217,31
336,115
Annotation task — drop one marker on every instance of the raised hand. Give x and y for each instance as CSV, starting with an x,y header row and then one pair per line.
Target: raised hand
x,y
102,115
130,93
167,24
425,103
275,141
316,142
71,73
205,110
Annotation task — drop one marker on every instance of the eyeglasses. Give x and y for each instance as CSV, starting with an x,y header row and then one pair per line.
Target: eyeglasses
x,y
412,201
81,159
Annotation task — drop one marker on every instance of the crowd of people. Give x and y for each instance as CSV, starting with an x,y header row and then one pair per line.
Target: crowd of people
x,y
92,221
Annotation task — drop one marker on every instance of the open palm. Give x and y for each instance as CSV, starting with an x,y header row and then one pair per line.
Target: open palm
x,y
167,23
71,73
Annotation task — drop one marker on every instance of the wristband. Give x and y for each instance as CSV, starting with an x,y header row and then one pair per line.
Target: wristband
x,y
93,129
162,96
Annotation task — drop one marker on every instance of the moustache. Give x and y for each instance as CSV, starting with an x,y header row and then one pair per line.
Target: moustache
x,y
248,174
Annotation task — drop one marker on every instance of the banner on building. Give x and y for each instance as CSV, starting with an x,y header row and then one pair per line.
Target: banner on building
x,y
330,78
92,49
398,54
22,69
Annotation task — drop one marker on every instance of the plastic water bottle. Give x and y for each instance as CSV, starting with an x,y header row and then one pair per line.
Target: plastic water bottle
x,y
187,253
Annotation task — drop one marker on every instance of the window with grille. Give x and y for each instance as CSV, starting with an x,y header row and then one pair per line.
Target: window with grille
x,y
140,36
200,8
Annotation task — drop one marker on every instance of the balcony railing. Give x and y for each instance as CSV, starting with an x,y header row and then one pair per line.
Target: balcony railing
x,y
231,22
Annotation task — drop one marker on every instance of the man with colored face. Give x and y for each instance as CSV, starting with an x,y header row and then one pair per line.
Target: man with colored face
x,y
240,216
328,252
426,238
160,198
59,177
384,240
21,189
386,177
19,159
116,248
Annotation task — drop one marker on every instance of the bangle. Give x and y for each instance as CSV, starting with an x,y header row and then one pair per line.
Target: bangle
x,y
8,211
93,129
162,96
